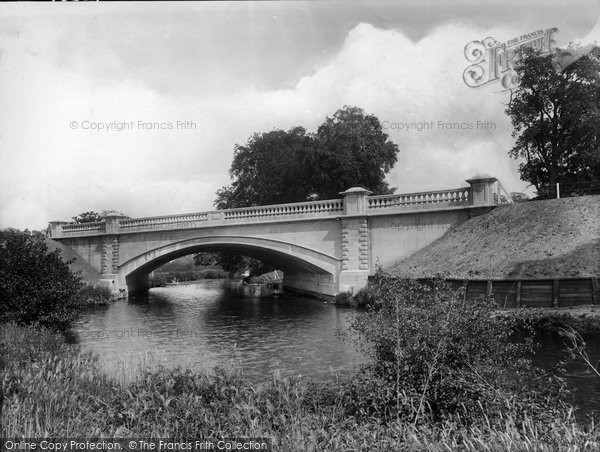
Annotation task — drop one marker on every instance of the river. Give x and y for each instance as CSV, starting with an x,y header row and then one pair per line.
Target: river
x,y
202,325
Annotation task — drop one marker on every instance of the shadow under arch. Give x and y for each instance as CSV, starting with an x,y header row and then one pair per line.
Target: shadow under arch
x,y
288,257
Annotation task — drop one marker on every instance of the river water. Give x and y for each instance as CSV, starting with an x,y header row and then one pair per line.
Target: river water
x,y
203,324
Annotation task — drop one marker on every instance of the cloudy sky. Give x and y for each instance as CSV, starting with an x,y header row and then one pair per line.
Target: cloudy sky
x,y
227,70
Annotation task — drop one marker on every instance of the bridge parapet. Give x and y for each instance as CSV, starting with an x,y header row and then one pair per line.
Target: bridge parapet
x,y
329,207
97,226
171,221
439,198
484,191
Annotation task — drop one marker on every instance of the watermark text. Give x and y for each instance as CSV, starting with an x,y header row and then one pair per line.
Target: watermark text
x,y
139,125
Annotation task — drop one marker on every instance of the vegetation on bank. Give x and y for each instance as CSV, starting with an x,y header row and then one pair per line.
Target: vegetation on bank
x,y
444,374
52,389
160,279
584,319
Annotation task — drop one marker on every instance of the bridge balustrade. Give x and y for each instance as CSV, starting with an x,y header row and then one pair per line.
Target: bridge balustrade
x,y
484,191
168,222
97,226
456,197
331,206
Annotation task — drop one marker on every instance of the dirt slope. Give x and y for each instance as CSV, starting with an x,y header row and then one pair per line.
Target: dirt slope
x,y
89,274
557,238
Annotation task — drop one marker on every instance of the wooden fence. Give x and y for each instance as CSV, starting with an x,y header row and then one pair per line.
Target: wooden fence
x,y
544,293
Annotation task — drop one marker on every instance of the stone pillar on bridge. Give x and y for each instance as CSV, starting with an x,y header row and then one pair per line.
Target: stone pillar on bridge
x,y
54,228
355,241
482,189
482,194
110,252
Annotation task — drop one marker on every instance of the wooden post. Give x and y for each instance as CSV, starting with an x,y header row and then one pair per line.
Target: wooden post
x,y
518,300
595,291
488,290
555,293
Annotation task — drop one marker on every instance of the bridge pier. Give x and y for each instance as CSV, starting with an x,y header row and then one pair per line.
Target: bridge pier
x,y
136,284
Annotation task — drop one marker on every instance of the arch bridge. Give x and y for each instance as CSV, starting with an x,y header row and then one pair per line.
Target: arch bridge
x,y
323,247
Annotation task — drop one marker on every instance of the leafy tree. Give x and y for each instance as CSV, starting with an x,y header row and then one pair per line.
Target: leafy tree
x,y
277,167
205,259
233,262
352,150
555,112
269,169
87,217
36,286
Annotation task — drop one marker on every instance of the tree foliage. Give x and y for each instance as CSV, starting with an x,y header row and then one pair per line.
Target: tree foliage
x,y
87,217
36,285
555,112
349,149
205,259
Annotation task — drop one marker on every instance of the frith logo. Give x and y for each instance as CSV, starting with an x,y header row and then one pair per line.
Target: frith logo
x,y
491,60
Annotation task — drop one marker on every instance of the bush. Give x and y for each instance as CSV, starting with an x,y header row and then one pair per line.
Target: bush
x,y
365,297
93,296
36,286
343,299
441,356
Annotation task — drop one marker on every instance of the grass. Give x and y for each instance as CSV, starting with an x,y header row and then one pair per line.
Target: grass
x,y
54,389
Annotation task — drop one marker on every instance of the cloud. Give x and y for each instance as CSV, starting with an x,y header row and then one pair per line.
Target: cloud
x,y
52,171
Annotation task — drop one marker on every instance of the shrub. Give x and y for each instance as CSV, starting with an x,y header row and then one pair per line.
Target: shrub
x,y
441,356
92,296
343,299
36,286
364,297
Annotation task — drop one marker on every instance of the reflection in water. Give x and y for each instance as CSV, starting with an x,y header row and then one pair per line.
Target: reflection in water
x,y
202,325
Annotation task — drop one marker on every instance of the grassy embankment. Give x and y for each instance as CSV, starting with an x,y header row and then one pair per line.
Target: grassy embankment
x,y
551,239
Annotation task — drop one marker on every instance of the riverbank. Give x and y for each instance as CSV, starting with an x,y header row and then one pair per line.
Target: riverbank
x,y
584,319
52,389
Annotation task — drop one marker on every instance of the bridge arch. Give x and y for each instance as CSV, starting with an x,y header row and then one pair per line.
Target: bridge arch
x,y
291,258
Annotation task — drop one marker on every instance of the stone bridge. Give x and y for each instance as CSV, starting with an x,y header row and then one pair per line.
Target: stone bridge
x,y
323,247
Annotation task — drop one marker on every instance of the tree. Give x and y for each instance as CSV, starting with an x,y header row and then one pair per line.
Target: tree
x,y
265,168
349,149
352,150
87,217
36,286
205,259
555,112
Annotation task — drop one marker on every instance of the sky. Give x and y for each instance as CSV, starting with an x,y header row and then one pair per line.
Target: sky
x,y
138,107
